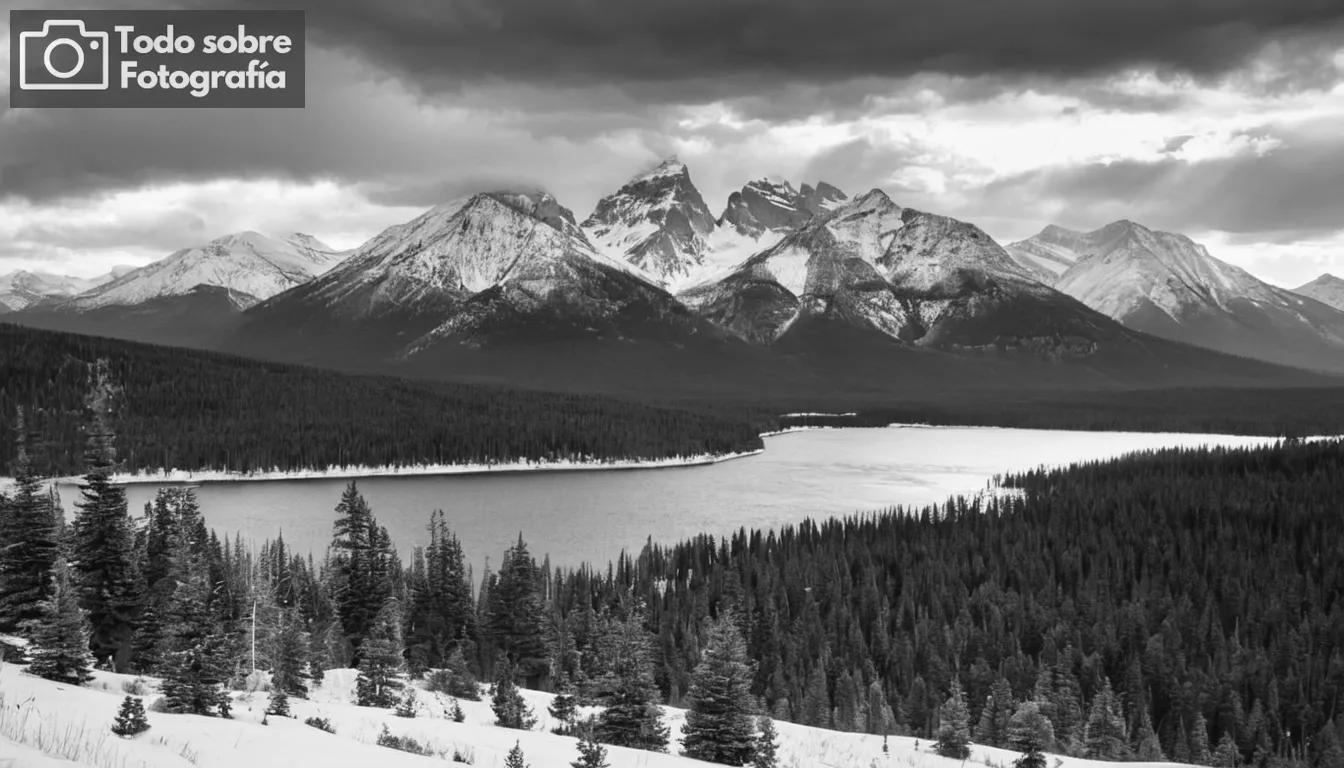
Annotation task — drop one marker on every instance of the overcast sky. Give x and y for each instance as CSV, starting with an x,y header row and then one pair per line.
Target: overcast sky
x,y
1221,119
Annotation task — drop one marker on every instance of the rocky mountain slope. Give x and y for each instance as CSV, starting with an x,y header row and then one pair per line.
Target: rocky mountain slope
x,y
1168,285
22,289
250,266
657,221
1326,289
473,272
915,277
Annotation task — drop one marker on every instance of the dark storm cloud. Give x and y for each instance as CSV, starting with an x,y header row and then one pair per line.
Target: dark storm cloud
x,y
1289,193
724,48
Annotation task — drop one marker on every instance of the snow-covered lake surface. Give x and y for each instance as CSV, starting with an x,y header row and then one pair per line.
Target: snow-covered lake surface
x,y
592,516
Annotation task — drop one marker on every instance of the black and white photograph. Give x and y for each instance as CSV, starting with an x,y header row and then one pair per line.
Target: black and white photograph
x,y
672,383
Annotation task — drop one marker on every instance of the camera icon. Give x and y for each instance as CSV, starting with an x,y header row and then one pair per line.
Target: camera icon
x,y
39,71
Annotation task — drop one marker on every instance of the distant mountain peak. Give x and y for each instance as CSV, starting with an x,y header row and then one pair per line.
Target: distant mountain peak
x,y
657,222
1327,289
772,205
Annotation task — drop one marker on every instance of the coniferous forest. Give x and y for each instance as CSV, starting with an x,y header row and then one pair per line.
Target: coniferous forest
x,y
1184,605
182,409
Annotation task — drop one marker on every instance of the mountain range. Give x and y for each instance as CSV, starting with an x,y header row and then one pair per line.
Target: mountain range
x,y
1168,285
800,289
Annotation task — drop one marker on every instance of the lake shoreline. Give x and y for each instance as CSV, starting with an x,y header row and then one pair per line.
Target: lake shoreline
x,y
178,476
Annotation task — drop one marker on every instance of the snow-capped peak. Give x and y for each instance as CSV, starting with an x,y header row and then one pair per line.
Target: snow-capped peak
x,y
1326,289
250,264
657,222
670,166
772,204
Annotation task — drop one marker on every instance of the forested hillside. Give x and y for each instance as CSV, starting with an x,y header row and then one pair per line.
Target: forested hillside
x,y
1183,605
196,410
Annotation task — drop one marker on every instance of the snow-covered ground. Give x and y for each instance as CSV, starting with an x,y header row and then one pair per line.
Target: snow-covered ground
x,y
47,725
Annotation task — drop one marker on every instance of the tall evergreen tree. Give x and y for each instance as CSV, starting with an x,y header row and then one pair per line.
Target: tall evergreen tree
x,y
1148,748
633,717
381,659
1226,755
289,671
720,727
954,726
104,553
359,561
516,614
195,664
60,636
1029,730
1105,733
29,538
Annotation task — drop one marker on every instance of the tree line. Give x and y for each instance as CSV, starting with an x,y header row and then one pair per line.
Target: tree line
x,y
193,410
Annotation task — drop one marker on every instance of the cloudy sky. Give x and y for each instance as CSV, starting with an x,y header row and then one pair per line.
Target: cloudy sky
x,y
1222,119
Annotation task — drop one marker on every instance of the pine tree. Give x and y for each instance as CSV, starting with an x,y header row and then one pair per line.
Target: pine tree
x,y
954,729
1199,740
131,718
511,710
515,757
1029,732
565,709
1148,748
1226,755
104,554
279,703
515,614
766,754
194,665
633,717
1104,737
60,636
816,705
29,538
591,754
361,557
720,727
290,670
381,659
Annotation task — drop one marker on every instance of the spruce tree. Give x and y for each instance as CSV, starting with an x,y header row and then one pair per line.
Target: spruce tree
x,y
361,554
816,705
511,710
290,668
1104,736
1199,740
954,727
766,754
515,757
516,614
381,659
633,717
131,718
720,727
60,636
196,655
104,552
591,754
1148,748
564,708
29,537
1029,732
1226,755
278,704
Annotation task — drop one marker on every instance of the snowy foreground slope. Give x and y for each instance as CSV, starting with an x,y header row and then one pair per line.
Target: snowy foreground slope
x,y
50,725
